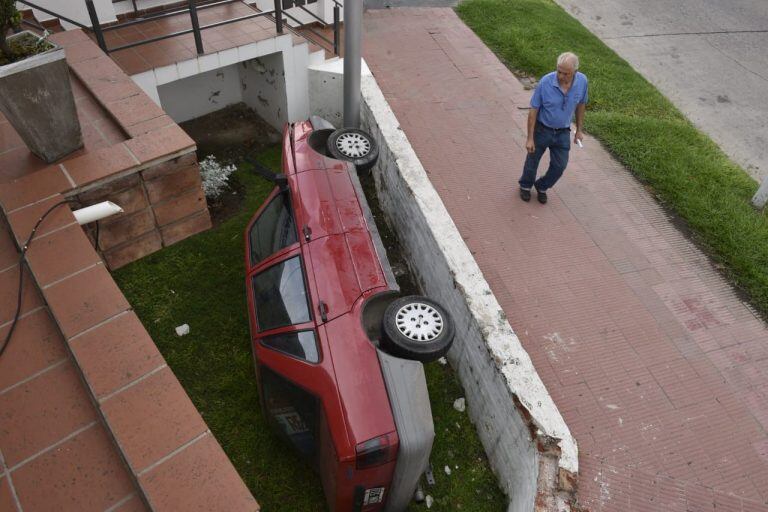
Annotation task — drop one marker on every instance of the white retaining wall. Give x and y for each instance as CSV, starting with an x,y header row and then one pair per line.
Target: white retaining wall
x,y
273,70
494,369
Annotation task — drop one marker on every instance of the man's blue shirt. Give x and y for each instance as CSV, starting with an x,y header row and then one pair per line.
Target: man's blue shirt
x,y
555,108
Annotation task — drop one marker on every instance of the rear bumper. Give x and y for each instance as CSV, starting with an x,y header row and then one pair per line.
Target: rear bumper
x,y
407,389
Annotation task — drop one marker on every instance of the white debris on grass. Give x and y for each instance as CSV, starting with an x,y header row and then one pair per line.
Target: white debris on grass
x,y
182,330
448,470
460,404
428,500
443,361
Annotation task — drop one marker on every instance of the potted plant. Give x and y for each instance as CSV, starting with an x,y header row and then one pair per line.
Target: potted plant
x,y
35,92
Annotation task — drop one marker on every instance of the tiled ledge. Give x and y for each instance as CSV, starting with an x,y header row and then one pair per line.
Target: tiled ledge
x,y
172,455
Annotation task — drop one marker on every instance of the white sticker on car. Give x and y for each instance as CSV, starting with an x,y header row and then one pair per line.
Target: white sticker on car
x,y
373,496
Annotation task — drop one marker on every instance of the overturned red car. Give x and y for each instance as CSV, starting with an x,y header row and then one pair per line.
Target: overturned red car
x,y
338,353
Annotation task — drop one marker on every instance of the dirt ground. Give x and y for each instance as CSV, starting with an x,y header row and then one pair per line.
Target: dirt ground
x,y
229,134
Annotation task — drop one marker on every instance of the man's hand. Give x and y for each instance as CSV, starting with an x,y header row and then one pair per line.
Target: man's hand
x,y
529,145
578,137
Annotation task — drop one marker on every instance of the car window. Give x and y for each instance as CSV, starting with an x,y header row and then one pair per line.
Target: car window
x,y
280,295
297,344
294,411
273,230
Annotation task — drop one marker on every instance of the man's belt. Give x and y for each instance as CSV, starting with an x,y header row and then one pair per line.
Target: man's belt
x,y
550,128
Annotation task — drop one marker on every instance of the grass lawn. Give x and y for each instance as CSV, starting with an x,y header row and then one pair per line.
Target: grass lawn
x,y
200,281
643,130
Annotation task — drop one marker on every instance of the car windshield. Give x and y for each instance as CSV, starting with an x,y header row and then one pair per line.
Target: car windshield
x,y
273,230
280,295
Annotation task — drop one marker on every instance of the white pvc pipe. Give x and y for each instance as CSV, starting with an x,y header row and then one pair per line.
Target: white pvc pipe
x,y
96,212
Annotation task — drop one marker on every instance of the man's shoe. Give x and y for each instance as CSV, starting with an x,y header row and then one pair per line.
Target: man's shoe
x,y
525,194
541,196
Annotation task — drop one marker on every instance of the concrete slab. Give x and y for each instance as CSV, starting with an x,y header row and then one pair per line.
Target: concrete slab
x,y
707,57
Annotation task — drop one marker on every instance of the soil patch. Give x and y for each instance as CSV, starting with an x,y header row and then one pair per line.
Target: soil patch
x,y
24,46
230,134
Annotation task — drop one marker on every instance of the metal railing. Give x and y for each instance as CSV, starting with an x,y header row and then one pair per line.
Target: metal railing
x,y
192,8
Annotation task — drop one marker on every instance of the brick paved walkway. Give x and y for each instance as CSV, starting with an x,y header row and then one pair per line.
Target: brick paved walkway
x,y
660,371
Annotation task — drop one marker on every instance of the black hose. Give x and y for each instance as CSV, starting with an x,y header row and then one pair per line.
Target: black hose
x,y
21,272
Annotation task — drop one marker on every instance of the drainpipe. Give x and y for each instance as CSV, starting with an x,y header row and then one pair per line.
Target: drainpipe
x,y
353,21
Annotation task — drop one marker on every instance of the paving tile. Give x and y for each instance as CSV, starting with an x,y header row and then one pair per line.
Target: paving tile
x,y
60,254
7,501
134,109
198,478
115,354
33,187
84,300
69,37
152,418
134,504
159,143
150,125
42,411
23,220
9,254
35,345
94,479
97,165
9,294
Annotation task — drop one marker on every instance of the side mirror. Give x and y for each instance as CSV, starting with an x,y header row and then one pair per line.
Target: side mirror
x,y
281,180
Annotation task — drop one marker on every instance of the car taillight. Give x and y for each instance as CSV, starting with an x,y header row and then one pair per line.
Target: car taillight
x,y
376,451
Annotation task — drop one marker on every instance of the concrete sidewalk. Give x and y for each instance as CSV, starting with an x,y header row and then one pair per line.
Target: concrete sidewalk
x,y
660,371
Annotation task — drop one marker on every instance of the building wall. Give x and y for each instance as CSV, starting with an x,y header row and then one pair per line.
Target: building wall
x,y
201,94
263,87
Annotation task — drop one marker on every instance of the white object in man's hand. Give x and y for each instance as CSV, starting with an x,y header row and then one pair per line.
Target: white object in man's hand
x,y
578,141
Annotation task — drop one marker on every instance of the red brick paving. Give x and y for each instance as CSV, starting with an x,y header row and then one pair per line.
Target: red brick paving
x,y
658,368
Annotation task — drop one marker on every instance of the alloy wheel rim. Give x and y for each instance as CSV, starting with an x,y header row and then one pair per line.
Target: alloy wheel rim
x,y
353,145
419,322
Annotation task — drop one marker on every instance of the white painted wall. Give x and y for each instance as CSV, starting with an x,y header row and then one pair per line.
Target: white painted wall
x,y
326,89
279,77
262,82
75,10
491,363
201,94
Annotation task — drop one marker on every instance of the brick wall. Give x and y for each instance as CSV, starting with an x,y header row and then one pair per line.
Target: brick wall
x,y
163,204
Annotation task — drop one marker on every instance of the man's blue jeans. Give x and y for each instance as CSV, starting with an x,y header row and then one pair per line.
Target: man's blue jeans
x,y
559,144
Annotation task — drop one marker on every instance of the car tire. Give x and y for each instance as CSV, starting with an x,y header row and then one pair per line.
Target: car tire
x,y
353,145
417,328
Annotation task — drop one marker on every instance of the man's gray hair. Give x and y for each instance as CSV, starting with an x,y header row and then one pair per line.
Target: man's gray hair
x,y
568,58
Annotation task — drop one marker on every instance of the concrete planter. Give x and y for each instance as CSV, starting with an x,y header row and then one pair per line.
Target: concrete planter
x,y
36,98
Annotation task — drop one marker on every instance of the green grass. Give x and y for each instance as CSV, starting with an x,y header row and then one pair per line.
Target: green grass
x,y
200,281
643,130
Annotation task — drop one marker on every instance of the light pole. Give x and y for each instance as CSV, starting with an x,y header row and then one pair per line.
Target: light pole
x,y
353,21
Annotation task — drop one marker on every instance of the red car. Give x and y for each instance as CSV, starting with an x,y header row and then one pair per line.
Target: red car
x,y
338,355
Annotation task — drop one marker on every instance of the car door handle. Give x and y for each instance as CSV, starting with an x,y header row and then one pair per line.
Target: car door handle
x,y
323,307
307,232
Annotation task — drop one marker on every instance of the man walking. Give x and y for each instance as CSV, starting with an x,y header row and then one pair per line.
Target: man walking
x,y
557,96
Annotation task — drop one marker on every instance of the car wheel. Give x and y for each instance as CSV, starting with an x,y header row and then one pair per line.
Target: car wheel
x,y
417,328
353,145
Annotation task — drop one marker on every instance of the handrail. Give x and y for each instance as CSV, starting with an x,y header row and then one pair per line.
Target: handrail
x,y
277,14
55,15
322,21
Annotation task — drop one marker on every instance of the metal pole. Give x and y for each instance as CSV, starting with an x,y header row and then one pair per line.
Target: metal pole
x,y
336,19
279,16
196,27
353,20
96,25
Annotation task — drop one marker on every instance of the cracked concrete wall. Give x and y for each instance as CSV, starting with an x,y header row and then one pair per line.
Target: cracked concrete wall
x,y
528,444
201,94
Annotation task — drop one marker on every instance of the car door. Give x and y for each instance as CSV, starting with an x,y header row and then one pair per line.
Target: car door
x,y
296,383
